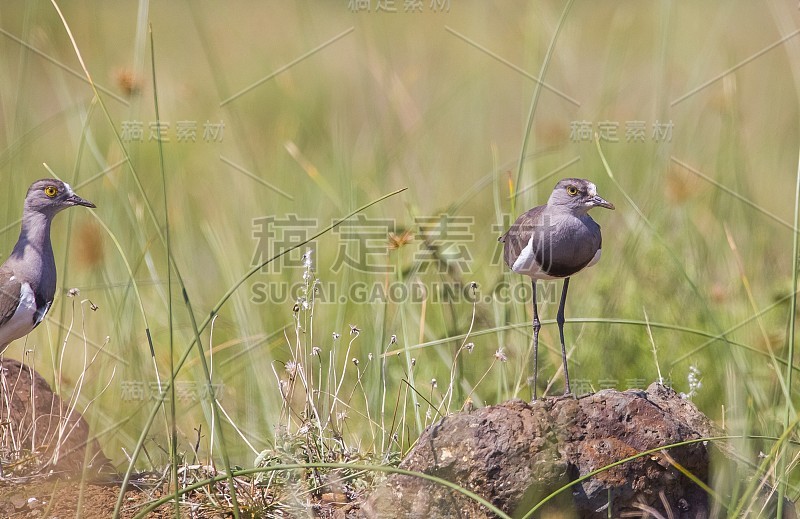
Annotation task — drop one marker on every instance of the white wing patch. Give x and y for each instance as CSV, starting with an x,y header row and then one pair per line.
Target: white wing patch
x,y
22,322
526,263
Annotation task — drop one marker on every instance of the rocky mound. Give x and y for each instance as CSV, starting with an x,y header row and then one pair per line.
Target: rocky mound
x,y
514,454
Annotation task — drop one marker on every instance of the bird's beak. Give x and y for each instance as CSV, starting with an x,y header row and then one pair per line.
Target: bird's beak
x,y
76,200
598,201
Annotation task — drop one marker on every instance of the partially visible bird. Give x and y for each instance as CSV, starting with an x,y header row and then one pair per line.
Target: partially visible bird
x,y
28,276
555,241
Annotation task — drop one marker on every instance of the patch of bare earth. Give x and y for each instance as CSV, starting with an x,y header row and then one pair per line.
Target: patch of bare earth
x,y
62,499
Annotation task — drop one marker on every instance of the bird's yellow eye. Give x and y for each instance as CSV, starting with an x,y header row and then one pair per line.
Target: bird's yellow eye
x,y
572,190
51,191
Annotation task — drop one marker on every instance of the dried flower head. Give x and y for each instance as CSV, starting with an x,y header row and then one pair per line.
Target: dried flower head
x,y
397,241
695,383
128,82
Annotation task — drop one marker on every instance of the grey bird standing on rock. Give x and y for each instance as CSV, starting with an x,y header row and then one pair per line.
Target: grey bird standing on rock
x,y
555,241
28,277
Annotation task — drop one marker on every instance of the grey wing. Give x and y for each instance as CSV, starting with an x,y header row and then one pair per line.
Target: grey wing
x,y
599,238
9,294
516,238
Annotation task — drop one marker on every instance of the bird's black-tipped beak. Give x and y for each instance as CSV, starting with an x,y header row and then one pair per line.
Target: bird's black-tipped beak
x,y
598,201
76,200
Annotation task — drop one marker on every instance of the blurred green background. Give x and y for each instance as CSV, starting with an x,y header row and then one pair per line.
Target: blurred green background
x,y
309,110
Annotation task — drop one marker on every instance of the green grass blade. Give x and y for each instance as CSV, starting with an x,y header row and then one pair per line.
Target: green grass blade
x,y
215,415
160,399
792,322
173,422
353,466
536,92
762,469
712,337
70,216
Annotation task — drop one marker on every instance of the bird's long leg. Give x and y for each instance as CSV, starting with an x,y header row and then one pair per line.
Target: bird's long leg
x,y
536,326
560,321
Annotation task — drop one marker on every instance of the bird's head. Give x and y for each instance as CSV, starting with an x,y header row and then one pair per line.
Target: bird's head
x,y
577,195
49,196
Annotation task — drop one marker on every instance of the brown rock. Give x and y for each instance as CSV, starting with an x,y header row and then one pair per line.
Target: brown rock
x,y
42,438
18,501
514,454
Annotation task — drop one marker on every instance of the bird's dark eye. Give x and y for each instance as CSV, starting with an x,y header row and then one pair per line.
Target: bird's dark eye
x,y
51,191
572,190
